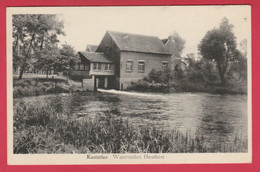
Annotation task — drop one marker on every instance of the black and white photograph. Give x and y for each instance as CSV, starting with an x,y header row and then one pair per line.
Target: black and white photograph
x,y
129,84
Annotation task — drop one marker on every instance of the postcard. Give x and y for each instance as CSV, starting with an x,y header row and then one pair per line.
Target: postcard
x,y
129,85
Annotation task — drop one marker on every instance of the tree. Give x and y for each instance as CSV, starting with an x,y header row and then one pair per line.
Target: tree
x,y
31,32
66,57
178,43
243,47
200,71
239,66
47,58
219,45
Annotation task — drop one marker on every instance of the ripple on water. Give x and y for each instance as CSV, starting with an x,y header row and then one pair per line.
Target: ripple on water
x,y
217,117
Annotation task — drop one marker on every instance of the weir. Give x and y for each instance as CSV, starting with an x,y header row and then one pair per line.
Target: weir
x,y
151,95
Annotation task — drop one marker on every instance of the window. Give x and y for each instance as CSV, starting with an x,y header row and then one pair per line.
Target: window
x,y
108,67
86,66
78,66
81,66
129,66
97,66
164,65
141,65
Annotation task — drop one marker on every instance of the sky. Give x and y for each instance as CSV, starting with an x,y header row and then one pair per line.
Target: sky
x,y
87,25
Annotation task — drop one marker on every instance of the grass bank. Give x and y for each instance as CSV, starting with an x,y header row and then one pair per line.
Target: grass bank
x,y
189,81
45,130
188,86
41,86
234,87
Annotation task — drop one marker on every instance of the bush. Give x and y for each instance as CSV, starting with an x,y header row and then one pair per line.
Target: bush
x,y
31,87
157,81
158,76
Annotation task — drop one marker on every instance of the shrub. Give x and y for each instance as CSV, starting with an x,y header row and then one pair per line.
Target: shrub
x,y
158,76
157,81
32,87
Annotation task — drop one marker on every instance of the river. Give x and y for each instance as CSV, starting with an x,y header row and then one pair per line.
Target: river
x,y
219,118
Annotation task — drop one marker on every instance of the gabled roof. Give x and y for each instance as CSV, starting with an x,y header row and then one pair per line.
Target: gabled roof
x,y
169,45
94,57
91,48
164,40
138,43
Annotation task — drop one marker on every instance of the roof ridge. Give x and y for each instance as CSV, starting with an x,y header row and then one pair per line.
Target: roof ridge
x,y
138,42
92,52
109,31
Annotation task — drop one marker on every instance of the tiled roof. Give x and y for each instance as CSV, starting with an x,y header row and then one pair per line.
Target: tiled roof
x,y
95,57
91,48
138,43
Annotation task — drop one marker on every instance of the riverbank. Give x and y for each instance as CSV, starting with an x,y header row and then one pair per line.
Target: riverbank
x,y
41,86
35,86
46,129
187,86
237,87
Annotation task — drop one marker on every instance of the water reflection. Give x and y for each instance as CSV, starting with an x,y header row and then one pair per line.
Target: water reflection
x,y
217,117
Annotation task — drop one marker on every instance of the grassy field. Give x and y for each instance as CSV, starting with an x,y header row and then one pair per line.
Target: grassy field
x,y
46,130
35,85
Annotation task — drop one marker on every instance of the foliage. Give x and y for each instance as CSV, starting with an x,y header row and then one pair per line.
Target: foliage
x,y
47,57
36,87
45,129
243,47
202,75
179,43
219,45
239,67
178,73
145,86
159,76
157,81
200,71
31,33
66,57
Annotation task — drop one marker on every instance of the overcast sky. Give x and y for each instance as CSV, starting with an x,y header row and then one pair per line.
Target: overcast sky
x,y
87,25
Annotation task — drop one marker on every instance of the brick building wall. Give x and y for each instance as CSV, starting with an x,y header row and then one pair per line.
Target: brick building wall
x,y
151,61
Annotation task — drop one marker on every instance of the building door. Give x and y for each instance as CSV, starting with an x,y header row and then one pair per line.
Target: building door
x,y
101,82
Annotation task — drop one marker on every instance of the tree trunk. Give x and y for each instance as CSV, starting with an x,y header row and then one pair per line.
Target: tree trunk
x,y
221,74
16,43
42,41
21,73
222,78
26,56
